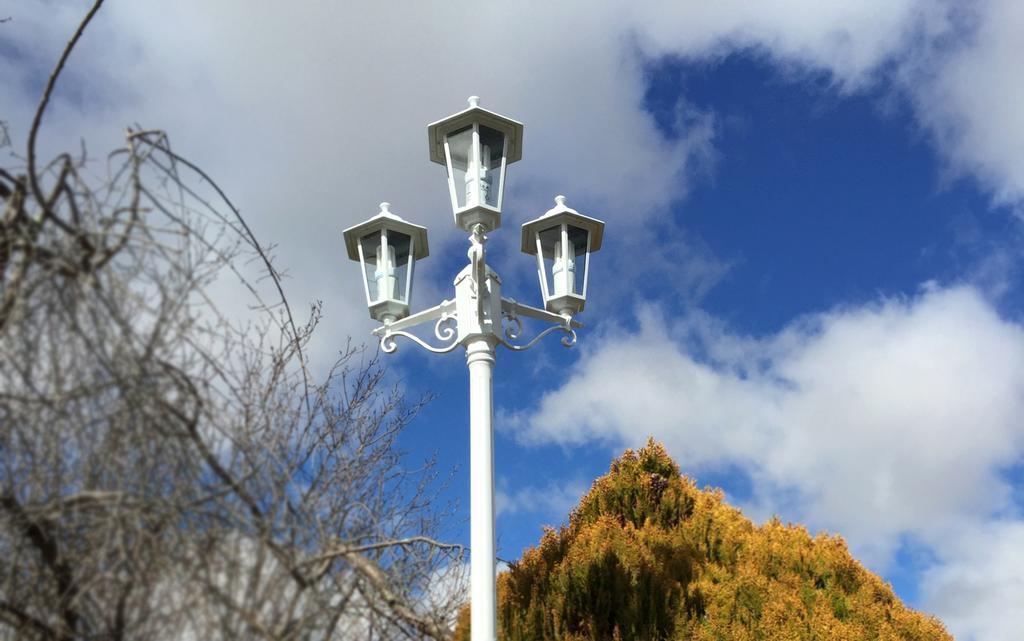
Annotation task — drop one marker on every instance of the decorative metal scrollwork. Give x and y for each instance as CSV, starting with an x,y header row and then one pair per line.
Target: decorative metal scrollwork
x,y
515,330
568,340
445,327
388,344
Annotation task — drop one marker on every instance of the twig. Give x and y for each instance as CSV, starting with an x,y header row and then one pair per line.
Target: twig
x,y
376,578
34,131
356,549
296,338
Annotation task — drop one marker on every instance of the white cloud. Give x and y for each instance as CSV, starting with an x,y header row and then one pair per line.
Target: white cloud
x,y
849,40
886,419
980,586
957,62
555,499
969,95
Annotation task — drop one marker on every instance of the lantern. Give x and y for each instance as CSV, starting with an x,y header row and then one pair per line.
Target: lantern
x,y
387,248
563,239
476,145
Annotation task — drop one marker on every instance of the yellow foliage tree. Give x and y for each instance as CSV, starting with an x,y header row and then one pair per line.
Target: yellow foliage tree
x,y
648,556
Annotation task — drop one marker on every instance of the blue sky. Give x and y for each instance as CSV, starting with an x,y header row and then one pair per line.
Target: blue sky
x,y
810,288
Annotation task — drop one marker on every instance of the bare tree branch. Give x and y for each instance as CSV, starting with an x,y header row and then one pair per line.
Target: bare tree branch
x,y
22,621
341,551
395,603
169,467
50,84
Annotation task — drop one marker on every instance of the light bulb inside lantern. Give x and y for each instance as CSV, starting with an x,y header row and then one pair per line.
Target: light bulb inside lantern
x,y
485,179
384,274
563,271
478,183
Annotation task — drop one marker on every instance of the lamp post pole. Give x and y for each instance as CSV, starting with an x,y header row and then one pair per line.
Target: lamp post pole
x,y
483,616
478,301
476,145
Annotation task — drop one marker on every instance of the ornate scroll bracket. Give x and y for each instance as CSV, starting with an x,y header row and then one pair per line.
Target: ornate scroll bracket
x,y
444,329
511,311
388,344
569,340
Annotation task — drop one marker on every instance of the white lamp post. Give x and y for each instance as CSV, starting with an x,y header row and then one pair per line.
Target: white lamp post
x,y
476,145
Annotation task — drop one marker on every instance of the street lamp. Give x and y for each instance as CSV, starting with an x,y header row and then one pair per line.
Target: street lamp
x,y
563,240
476,146
387,248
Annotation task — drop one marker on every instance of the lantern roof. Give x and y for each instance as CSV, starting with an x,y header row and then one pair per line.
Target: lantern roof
x,y
436,131
556,216
385,219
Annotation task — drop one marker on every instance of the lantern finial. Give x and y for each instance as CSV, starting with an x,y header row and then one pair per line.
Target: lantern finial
x,y
385,208
474,101
560,201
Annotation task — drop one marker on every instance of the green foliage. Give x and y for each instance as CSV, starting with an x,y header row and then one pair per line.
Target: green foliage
x,y
639,489
647,556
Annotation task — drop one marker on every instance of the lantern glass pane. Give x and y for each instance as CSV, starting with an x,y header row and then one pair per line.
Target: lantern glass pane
x,y
460,145
371,249
492,149
578,244
400,243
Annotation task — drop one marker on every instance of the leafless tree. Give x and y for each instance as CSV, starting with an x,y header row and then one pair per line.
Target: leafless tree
x,y
169,470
